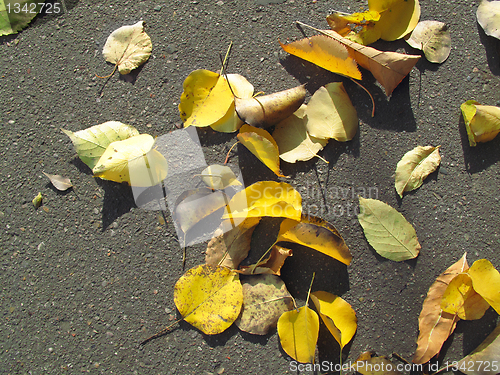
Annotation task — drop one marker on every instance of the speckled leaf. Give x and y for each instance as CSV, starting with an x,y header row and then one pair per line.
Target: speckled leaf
x,y
488,16
387,231
209,298
128,47
317,234
91,143
415,166
337,314
298,331
229,247
461,299
265,298
435,325
433,38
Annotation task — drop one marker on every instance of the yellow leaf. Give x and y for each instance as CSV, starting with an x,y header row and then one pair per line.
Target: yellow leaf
x,y
414,167
218,177
128,47
482,122
206,98
397,17
209,298
434,324
338,316
91,143
326,53
317,234
260,143
293,140
298,331
330,114
461,299
134,161
486,281
265,198
340,22
242,89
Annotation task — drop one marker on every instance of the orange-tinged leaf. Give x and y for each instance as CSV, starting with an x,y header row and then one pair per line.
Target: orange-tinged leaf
x,y
434,324
486,281
271,265
326,53
317,234
260,143
337,314
298,331
389,68
461,299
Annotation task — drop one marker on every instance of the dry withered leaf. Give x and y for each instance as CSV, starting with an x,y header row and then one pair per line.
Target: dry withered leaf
x,y
265,298
229,247
60,183
435,325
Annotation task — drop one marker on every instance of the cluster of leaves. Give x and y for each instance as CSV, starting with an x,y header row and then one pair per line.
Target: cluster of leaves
x,y
458,293
214,295
221,292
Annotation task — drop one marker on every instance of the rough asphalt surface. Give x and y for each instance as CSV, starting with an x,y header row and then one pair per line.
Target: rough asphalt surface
x,y
88,276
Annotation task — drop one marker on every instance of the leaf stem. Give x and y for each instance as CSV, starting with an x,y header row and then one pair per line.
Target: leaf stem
x,y
310,286
262,257
227,156
109,75
368,92
161,333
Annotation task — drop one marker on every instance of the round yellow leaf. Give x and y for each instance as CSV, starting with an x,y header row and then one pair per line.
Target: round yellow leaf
x,y
209,298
